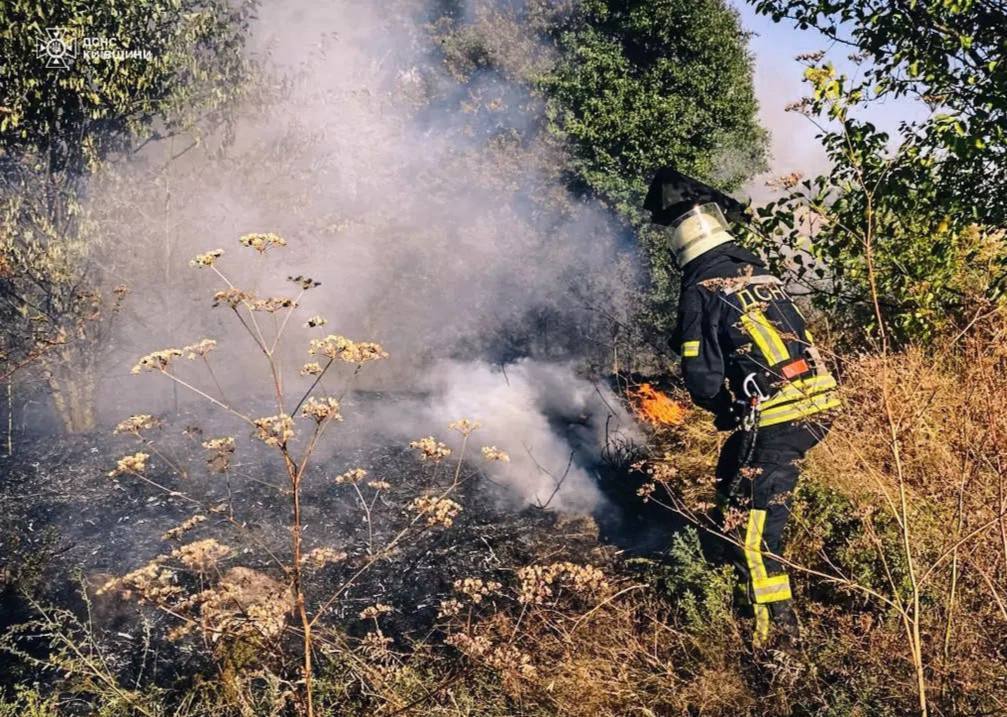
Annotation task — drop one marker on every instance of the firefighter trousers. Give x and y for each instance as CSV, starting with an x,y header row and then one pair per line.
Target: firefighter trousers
x,y
756,500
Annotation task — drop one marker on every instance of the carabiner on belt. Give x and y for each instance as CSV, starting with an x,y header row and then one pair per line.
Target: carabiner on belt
x,y
755,397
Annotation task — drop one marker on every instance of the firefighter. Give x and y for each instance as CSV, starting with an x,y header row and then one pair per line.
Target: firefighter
x,y
748,357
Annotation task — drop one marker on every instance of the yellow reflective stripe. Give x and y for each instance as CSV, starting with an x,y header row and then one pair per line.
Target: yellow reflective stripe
x,y
765,589
761,625
766,337
753,544
690,349
801,388
807,335
800,409
772,589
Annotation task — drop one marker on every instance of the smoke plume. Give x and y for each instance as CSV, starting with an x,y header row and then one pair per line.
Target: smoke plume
x,y
432,213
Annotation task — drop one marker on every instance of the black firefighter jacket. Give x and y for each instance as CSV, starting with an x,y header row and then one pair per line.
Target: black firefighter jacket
x,y
737,322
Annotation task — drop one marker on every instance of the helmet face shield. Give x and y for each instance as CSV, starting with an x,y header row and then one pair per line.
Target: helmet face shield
x,y
697,231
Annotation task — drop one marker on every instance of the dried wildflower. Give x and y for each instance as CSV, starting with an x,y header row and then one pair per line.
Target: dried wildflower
x,y
476,588
272,304
311,369
136,463
449,608
232,296
199,349
375,611
184,527
508,658
221,451
646,490
464,426
321,410
375,646
315,321
275,431
734,518
304,282
202,261
354,475
343,349
811,56
539,581
437,511
156,361
320,557
262,242
246,603
492,453
471,646
431,449
152,583
786,181
379,485
202,555
802,106
135,424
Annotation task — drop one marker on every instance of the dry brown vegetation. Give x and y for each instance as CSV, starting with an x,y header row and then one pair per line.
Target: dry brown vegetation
x,y
898,543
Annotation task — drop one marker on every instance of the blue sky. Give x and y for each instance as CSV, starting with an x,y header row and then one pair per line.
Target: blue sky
x,y
778,82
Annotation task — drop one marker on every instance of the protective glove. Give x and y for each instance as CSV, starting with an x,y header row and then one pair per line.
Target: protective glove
x,y
730,416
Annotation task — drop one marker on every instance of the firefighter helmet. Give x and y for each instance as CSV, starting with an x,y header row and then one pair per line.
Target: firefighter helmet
x,y
693,210
697,231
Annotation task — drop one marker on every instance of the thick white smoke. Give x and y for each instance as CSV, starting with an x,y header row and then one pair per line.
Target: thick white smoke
x,y
552,423
435,228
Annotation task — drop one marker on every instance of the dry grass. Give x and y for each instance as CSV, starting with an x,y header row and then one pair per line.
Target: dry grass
x,y
597,635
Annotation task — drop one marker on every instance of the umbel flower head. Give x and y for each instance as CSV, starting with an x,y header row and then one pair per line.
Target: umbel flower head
x,y
315,321
272,304
492,453
220,452
203,261
199,349
437,511
354,475
135,424
262,242
464,426
311,369
136,463
431,449
232,297
323,409
375,611
320,557
275,431
343,349
202,555
305,282
156,361
184,527
476,588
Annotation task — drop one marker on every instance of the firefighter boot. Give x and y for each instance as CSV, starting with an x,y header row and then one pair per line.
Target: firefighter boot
x,y
786,631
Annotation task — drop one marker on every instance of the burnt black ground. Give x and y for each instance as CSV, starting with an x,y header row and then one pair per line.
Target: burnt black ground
x,y
66,524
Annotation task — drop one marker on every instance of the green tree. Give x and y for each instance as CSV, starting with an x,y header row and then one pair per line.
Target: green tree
x,y
82,83
641,84
916,219
616,89
948,54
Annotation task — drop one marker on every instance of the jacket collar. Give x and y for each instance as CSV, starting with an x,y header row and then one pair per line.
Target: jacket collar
x,y
730,253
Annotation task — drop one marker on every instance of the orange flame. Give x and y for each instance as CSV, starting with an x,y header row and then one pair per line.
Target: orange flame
x,y
656,408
